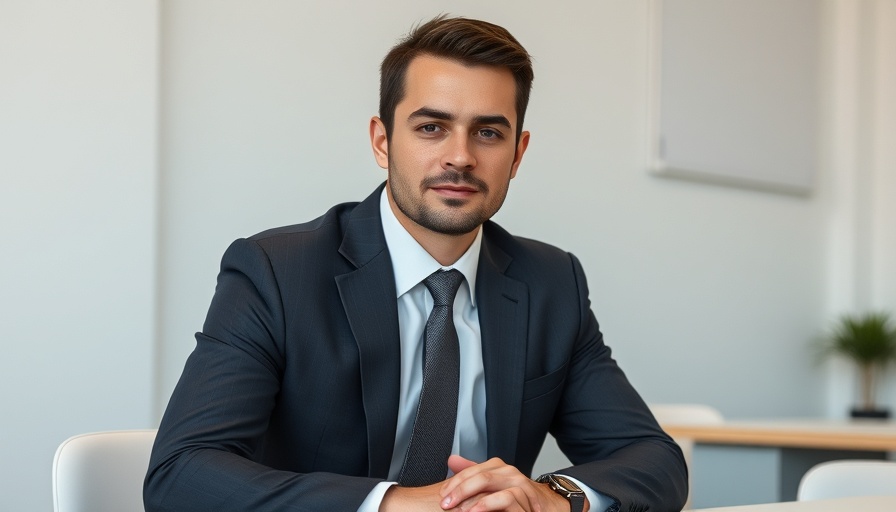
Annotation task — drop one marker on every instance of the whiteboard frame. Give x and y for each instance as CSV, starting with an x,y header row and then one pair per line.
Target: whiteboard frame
x,y
657,166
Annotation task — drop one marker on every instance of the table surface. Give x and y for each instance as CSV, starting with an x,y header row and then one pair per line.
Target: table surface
x,y
863,504
871,435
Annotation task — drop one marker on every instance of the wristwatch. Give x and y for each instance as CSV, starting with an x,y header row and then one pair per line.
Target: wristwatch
x,y
566,488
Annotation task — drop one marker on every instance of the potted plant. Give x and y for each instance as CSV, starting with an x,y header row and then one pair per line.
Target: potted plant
x,y
870,342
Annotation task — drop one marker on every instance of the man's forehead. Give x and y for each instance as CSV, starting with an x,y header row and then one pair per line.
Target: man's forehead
x,y
453,86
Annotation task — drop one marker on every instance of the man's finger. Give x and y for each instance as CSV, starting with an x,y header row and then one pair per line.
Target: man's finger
x,y
456,463
466,472
492,476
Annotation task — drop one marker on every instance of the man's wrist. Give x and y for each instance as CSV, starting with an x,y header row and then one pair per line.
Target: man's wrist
x,y
565,489
411,499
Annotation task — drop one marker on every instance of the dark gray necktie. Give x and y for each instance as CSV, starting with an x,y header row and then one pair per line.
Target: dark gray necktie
x,y
426,461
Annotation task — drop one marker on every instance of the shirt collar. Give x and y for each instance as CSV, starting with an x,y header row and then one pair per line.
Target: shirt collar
x,y
411,264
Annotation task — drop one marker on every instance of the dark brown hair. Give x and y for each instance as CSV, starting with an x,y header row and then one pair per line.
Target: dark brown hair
x,y
472,42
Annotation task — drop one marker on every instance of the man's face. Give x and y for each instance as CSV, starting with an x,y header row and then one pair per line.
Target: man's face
x,y
452,152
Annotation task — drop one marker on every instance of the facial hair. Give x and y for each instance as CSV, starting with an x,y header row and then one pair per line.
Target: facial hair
x,y
452,219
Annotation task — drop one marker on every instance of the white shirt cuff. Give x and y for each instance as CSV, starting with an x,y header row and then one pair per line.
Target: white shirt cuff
x,y
375,498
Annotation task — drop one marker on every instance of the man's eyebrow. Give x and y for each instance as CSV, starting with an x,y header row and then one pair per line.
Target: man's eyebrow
x,y
498,119
432,113
446,116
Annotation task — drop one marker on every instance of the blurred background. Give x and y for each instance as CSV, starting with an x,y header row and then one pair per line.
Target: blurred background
x,y
139,138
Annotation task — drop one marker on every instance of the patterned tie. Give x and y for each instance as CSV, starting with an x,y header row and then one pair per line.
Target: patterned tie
x,y
426,461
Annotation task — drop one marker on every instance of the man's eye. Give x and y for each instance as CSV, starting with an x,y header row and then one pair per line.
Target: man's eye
x,y
429,128
487,133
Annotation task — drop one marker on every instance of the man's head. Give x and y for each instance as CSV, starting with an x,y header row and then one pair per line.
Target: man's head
x,y
471,42
451,133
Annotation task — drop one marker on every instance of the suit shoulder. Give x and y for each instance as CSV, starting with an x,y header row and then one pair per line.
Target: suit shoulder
x,y
525,250
329,223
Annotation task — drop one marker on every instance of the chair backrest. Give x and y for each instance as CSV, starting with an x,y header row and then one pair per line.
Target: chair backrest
x,y
847,478
102,471
686,414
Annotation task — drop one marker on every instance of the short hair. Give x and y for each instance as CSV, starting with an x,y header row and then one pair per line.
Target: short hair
x,y
472,42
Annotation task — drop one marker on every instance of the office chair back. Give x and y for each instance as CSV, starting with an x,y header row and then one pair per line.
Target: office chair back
x,y
847,478
102,471
686,414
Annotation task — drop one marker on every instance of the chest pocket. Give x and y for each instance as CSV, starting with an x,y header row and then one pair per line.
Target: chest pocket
x,y
546,384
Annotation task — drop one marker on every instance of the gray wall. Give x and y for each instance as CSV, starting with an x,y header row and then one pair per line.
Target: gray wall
x,y
78,216
138,139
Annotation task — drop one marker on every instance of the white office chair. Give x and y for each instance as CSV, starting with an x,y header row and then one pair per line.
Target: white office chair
x,y
686,414
847,478
102,471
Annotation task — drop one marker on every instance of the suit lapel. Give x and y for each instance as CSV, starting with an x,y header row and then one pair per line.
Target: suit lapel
x,y
368,296
503,305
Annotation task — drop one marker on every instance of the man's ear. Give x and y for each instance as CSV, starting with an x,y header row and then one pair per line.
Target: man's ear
x,y
520,151
379,142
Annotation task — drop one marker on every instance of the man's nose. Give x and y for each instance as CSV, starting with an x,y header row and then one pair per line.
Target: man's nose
x,y
458,154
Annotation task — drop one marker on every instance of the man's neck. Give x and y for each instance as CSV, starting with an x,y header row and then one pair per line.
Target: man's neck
x,y
446,249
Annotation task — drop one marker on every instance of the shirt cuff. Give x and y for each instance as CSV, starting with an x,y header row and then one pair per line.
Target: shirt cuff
x,y
375,498
597,501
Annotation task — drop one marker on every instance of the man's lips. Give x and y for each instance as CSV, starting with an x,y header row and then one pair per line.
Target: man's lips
x,y
451,190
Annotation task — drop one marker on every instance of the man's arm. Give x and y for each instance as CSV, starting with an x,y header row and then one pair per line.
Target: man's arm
x,y
607,430
600,421
220,409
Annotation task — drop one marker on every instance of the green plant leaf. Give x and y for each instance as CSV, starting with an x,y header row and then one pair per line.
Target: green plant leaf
x,y
866,339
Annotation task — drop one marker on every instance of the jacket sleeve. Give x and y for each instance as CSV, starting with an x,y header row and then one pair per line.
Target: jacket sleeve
x,y
203,457
607,430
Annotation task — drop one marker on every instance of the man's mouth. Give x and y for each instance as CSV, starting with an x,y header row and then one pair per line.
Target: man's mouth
x,y
455,185
454,191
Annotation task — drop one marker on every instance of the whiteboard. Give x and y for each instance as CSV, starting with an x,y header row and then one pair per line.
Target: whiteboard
x,y
735,92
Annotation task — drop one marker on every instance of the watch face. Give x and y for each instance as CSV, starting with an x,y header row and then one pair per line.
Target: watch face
x,y
566,484
560,484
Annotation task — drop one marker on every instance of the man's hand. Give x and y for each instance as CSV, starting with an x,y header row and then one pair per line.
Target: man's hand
x,y
415,499
424,498
496,486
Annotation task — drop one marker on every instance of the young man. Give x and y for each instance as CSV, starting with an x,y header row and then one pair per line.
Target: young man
x,y
331,367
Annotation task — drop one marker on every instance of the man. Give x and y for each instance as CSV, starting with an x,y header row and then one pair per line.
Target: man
x,y
311,384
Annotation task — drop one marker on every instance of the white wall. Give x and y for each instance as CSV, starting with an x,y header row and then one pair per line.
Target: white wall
x,y
139,139
883,170
264,115
861,156
78,118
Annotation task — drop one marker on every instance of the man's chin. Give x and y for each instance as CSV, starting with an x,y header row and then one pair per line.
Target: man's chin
x,y
451,226
455,202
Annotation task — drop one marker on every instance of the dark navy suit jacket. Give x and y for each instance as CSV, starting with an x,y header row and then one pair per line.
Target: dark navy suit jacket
x,y
290,398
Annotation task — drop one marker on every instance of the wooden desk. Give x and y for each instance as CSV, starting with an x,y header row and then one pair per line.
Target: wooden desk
x,y
867,435
749,462
863,504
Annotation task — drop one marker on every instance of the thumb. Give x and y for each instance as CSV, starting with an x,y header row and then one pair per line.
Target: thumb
x,y
456,463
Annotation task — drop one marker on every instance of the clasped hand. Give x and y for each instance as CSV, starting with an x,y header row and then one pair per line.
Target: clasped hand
x,y
490,486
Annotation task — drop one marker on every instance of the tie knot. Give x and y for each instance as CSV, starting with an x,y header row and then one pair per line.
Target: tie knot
x,y
443,285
